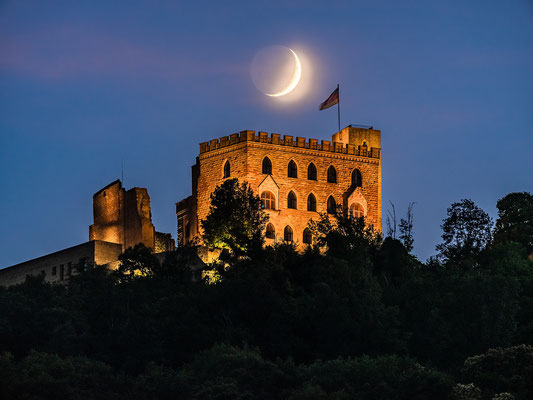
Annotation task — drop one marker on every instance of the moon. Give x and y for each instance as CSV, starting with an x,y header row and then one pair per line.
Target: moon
x,y
276,70
295,78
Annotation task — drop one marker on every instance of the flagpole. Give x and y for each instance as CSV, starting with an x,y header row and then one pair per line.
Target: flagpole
x,y
339,108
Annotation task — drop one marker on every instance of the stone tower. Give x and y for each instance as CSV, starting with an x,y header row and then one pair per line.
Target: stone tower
x,y
125,217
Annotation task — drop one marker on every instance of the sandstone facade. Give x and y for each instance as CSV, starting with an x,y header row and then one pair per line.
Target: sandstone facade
x,y
348,170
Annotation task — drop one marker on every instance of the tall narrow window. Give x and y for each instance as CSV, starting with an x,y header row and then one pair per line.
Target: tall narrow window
x,y
311,202
267,166
270,232
293,170
307,237
332,205
227,170
332,174
287,234
268,201
357,179
291,200
356,210
311,172
62,272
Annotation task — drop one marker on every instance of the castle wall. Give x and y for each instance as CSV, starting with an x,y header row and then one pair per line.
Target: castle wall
x,y
59,266
245,151
122,219
108,214
122,216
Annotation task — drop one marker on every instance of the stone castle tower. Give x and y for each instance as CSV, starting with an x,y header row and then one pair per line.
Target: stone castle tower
x,y
296,179
125,217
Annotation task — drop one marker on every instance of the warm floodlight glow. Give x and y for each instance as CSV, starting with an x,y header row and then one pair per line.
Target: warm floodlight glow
x,y
294,80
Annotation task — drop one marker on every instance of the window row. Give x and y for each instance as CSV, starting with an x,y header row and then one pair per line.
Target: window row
x,y
288,235
268,202
292,172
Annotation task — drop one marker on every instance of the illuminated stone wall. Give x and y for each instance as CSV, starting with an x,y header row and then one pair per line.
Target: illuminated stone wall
x,y
245,151
124,217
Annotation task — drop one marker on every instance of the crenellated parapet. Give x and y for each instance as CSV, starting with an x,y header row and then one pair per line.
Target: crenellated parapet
x,y
290,141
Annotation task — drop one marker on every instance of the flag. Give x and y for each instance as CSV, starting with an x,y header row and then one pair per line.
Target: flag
x,y
331,100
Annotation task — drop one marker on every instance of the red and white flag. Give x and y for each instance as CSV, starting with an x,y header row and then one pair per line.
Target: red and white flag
x,y
331,101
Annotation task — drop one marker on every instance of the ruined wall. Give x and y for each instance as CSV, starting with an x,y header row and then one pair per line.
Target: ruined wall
x,y
108,214
122,216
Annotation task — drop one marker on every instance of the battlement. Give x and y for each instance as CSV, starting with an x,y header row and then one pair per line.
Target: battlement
x,y
290,141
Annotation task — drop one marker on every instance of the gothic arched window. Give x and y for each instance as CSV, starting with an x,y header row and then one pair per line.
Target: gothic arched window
x,y
270,232
291,200
292,170
307,237
332,205
357,210
227,170
357,178
332,174
267,166
268,201
287,234
311,172
311,202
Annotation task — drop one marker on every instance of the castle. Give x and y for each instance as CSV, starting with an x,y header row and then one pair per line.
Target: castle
x,y
122,219
296,179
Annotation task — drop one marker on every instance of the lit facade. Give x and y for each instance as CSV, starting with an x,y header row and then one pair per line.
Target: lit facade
x,y
296,179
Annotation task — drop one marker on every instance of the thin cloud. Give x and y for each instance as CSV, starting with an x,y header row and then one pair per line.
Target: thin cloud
x,y
74,53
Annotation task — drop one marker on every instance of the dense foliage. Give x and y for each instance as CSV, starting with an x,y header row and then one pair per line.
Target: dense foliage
x,y
355,316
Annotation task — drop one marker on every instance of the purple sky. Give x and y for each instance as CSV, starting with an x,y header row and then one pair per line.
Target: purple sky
x,y
83,87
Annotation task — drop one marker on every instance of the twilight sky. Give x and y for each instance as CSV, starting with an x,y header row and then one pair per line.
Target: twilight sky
x,y
83,87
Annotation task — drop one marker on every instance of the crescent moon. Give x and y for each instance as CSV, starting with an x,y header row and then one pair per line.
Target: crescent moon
x,y
294,80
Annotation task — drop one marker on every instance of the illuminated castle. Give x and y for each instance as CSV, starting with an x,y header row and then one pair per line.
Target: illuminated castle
x,y
296,179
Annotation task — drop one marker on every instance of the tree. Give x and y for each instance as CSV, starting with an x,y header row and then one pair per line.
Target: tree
x,y
391,222
406,229
137,261
502,370
515,220
236,220
344,235
466,232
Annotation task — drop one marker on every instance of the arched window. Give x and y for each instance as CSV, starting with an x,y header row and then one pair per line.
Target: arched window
x,y
268,201
332,174
357,178
267,166
311,172
291,200
308,237
287,234
293,170
357,210
227,170
311,202
270,232
332,205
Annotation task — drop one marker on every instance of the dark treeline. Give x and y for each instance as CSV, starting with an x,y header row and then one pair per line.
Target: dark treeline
x,y
355,316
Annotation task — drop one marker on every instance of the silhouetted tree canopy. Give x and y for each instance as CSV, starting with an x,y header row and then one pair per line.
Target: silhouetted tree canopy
x,y
353,316
515,220
235,220
466,232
